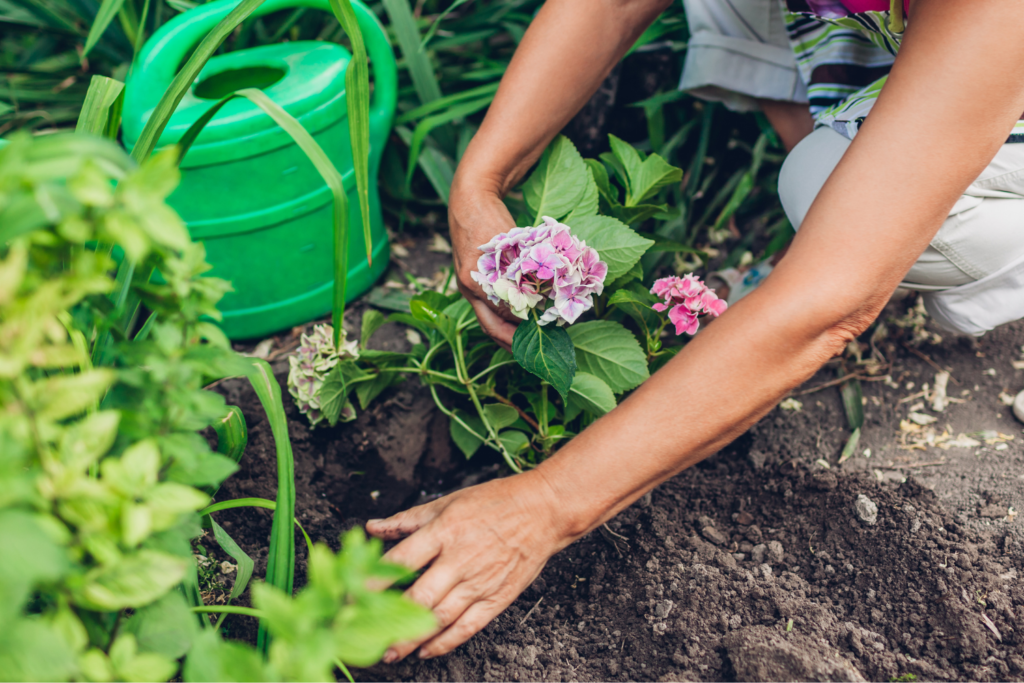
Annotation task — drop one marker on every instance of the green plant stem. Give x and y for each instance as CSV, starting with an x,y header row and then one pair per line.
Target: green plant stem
x,y
453,415
492,368
423,371
543,417
493,433
229,609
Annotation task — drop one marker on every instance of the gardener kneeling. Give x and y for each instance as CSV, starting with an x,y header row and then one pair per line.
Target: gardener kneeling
x,y
918,184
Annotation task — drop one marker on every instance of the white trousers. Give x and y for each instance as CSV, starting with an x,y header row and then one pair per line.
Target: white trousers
x,y
972,274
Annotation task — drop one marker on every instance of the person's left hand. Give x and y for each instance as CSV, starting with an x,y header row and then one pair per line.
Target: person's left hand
x,y
484,544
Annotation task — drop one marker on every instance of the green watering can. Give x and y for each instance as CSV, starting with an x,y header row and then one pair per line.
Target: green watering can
x,y
247,190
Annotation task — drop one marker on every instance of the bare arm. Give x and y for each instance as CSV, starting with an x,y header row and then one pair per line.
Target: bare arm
x,y
568,50
950,103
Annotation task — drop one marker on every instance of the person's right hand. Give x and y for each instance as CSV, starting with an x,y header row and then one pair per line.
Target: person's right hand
x,y
475,216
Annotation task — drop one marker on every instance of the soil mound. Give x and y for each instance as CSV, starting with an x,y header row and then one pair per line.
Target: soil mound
x,y
736,573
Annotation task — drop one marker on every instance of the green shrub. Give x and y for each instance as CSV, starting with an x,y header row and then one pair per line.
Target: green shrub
x,y
102,471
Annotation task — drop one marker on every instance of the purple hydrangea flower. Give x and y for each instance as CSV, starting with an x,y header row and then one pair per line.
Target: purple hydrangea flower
x,y
545,266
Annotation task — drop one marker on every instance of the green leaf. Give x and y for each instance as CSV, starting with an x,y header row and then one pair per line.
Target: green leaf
x,y
853,403
101,111
592,394
357,92
166,627
372,320
743,189
30,557
186,76
281,555
135,581
232,435
212,659
417,61
500,415
588,205
107,11
367,391
514,441
547,352
559,182
610,352
643,178
31,650
616,244
604,187
245,563
467,441
636,303
424,127
851,446
336,388
365,630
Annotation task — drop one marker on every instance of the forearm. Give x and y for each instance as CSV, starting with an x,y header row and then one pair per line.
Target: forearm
x,y
940,120
568,50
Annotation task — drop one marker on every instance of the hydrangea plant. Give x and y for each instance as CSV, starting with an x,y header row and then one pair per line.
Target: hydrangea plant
x,y
308,369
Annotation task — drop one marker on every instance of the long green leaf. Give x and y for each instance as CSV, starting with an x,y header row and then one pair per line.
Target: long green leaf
x,y
421,71
446,101
435,164
357,92
330,174
157,121
428,124
281,555
437,22
101,111
232,436
108,10
245,563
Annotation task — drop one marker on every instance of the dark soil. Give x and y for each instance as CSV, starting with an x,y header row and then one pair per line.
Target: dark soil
x,y
754,565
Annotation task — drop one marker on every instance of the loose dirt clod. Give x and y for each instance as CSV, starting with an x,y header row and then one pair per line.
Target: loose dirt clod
x,y
867,511
761,654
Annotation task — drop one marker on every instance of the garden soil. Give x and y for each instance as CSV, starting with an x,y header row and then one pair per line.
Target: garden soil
x,y
768,561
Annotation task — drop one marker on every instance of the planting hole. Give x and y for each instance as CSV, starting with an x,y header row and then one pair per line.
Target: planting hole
x,y
224,83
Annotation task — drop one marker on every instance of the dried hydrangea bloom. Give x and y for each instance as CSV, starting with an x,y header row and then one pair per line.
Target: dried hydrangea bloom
x,y
309,366
527,268
686,299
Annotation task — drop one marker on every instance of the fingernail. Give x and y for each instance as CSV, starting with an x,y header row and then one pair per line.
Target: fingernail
x,y
390,657
374,521
423,654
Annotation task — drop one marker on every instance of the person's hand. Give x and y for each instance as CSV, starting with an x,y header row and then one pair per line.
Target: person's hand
x,y
474,217
484,545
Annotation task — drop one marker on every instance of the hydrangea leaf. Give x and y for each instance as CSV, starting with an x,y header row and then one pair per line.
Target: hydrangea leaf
x,y
592,393
467,442
559,182
618,245
500,415
547,352
644,177
610,352
588,204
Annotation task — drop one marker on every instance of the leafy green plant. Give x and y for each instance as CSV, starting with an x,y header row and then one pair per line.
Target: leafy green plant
x,y
502,400
103,476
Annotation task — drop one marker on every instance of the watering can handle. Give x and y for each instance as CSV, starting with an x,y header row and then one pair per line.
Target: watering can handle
x,y
159,59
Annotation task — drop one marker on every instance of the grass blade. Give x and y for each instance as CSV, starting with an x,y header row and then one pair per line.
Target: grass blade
x,y
437,22
140,36
281,555
245,563
428,124
331,176
439,168
420,69
357,90
853,403
108,10
446,101
186,76
101,111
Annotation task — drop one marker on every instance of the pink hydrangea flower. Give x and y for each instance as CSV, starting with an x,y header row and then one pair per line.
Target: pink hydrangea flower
x,y
686,299
527,268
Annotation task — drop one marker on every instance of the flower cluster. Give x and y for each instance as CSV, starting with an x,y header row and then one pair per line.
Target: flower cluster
x,y
308,368
686,298
527,267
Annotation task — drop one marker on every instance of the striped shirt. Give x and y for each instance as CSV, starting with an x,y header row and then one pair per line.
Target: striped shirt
x,y
844,57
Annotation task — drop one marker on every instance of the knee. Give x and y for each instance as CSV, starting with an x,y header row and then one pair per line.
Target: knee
x,y
806,169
